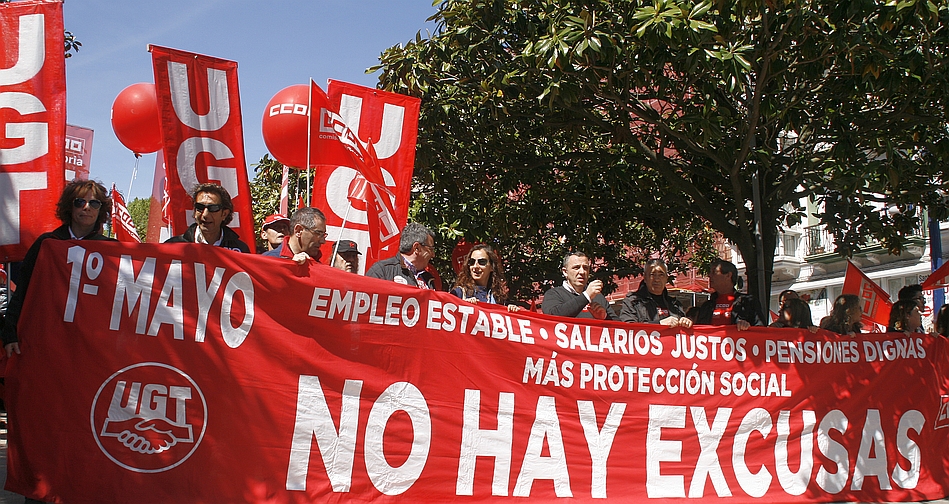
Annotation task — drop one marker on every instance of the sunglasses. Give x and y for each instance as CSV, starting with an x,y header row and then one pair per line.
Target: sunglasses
x,y
81,202
481,262
200,207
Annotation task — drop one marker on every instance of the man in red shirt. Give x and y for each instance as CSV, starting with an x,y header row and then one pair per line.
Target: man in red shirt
x,y
727,306
307,233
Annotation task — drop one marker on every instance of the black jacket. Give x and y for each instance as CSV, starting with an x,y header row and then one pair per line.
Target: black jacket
x,y
9,333
394,269
230,239
744,308
641,306
560,301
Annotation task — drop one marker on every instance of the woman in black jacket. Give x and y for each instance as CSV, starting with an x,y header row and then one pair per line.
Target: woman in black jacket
x,y
83,208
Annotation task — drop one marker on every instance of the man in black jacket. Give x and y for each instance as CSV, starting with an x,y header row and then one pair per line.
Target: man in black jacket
x,y
651,303
416,250
577,296
727,306
213,211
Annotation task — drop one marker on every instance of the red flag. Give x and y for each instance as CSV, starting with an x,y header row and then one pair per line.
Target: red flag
x,y
938,279
122,224
874,301
202,133
333,143
391,121
32,122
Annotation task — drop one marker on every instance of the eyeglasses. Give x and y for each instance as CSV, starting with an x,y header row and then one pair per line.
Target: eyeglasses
x,y
430,247
317,232
81,202
483,261
201,207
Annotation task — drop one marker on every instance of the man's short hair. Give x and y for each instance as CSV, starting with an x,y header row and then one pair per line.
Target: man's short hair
x,y
573,253
413,233
306,217
909,292
220,192
75,189
725,267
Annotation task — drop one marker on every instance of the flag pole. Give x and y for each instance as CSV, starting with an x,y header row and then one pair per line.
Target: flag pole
x,y
309,140
340,235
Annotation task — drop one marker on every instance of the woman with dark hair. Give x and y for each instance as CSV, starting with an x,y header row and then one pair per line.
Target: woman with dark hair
x,y
905,317
942,321
845,316
481,278
794,312
83,208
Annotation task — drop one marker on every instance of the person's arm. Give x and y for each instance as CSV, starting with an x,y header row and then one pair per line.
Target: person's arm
x,y
9,333
628,310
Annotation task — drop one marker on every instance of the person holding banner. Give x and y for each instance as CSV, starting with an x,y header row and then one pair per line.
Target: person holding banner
x,y
307,234
727,306
416,250
577,296
83,208
905,317
845,316
651,303
942,321
481,280
213,211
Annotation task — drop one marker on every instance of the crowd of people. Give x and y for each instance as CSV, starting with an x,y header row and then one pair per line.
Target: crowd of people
x,y
84,207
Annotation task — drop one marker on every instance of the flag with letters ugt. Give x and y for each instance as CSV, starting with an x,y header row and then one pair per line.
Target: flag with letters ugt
x,y
335,144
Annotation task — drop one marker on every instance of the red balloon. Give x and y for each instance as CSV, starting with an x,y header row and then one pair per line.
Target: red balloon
x,y
284,125
135,118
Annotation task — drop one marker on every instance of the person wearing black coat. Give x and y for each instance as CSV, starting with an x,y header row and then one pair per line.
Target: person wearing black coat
x,y
83,208
213,211
651,303
727,306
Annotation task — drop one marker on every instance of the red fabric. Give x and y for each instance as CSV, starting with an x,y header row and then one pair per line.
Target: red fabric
x,y
723,309
244,374
329,131
78,151
389,123
874,301
202,137
938,278
122,224
32,122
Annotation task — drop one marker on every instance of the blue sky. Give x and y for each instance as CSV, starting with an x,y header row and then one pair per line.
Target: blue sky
x,y
275,43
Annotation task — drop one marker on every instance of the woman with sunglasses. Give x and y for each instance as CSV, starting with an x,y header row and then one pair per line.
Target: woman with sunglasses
x,y
83,208
481,279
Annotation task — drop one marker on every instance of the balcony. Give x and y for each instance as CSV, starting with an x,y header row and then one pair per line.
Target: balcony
x,y
819,245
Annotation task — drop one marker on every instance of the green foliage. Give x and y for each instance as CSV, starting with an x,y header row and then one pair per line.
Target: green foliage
x,y
70,43
138,209
265,190
620,127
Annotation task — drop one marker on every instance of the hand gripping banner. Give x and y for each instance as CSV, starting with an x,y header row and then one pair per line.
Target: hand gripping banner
x,y
202,134
187,373
32,122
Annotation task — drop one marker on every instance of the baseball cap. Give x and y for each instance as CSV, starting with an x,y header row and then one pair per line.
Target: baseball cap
x,y
270,220
348,246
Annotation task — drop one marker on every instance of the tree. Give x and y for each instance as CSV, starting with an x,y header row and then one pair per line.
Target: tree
x,y
658,113
138,209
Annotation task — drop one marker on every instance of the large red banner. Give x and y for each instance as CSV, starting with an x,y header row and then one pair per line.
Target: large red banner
x,y
187,373
390,121
202,134
32,122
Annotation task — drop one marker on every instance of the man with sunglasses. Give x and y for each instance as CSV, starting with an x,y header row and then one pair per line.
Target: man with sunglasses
x,y
416,250
213,211
307,234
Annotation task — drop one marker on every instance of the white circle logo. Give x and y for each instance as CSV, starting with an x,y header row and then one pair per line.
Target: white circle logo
x,y
151,417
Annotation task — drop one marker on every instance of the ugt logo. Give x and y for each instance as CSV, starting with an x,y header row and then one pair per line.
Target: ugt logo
x,y
149,417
